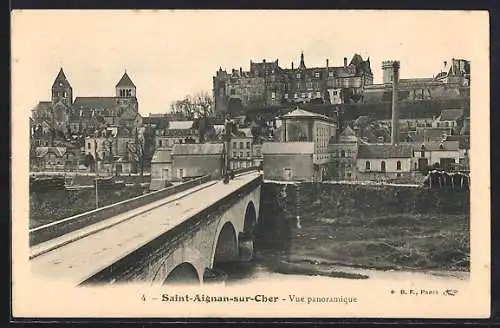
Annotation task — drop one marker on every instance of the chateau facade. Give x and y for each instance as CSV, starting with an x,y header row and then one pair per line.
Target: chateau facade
x,y
266,84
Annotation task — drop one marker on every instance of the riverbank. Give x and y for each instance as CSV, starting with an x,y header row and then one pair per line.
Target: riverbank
x,y
364,227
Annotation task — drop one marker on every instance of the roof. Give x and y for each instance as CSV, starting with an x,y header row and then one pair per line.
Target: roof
x,y
162,156
42,151
385,151
125,81
198,149
61,80
463,140
180,125
43,106
362,120
437,146
269,148
300,113
348,132
451,114
95,102
435,133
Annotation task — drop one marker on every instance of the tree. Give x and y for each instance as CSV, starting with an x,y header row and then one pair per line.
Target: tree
x,y
142,149
194,106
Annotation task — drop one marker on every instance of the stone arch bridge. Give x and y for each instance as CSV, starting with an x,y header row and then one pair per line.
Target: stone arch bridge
x,y
180,238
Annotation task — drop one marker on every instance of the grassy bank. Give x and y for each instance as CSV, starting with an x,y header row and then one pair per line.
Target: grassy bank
x,y
366,226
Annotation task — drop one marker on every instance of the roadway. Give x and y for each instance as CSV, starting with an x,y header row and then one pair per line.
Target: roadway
x,y
79,255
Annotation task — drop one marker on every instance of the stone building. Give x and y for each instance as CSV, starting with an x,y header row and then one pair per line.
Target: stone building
x,y
196,160
267,84
303,153
452,82
384,162
161,169
86,114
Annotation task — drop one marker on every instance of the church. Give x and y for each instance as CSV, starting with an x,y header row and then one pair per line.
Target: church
x,y
84,115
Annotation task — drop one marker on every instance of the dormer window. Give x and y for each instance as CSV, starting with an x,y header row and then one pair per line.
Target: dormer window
x,y
316,74
330,74
298,75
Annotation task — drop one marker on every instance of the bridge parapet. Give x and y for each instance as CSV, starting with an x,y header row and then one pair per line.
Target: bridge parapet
x,y
59,228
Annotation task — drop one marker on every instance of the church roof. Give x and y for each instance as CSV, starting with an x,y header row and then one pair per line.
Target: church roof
x,y
450,114
125,81
95,102
61,80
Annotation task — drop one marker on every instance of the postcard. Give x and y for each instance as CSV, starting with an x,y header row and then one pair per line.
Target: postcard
x,y
257,164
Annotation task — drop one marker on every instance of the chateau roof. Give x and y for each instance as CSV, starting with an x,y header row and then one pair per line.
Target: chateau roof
x,y
375,151
348,132
198,149
125,81
61,80
43,105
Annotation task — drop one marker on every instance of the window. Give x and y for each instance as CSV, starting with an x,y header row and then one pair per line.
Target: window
x,y
241,154
398,165
65,94
298,75
103,155
382,166
233,92
296,95
273,95
330,74
286,95
248,144
309,85
398,175
159,143
316,74
303,95
318,94
234,145
88,145
181,173
241,144
367,165
349,174
422,154
342,153
234,154
248,154
416,166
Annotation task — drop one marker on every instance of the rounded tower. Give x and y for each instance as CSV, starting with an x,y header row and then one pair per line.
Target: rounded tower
x,y
387,71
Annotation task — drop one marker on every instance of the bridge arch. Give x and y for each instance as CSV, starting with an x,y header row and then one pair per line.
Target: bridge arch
x,y
184,273
250,222
226,245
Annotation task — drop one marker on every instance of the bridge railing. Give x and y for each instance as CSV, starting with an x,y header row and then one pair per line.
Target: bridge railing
x,y
61,227
245,169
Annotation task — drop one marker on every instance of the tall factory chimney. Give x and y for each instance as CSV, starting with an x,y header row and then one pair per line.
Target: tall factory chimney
x,y
395,107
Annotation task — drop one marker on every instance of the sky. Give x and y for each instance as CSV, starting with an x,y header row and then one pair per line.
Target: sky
x,y
170,54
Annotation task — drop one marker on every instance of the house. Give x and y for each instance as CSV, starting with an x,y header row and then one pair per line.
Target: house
x,y
431,134
54,159
448,118
178,132
240,149
463,150
161,169
308,135
384,161
436,153
196,160
343,156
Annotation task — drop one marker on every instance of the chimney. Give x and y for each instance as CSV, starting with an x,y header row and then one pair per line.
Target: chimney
x,y
395,107
327,63
264,61
276,62
292,65
445,62
345,61
241,71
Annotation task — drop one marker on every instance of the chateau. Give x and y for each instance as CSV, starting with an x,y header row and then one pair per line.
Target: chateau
x,y
266,84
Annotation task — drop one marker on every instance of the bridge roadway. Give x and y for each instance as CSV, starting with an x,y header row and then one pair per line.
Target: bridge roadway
x,y
79,255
